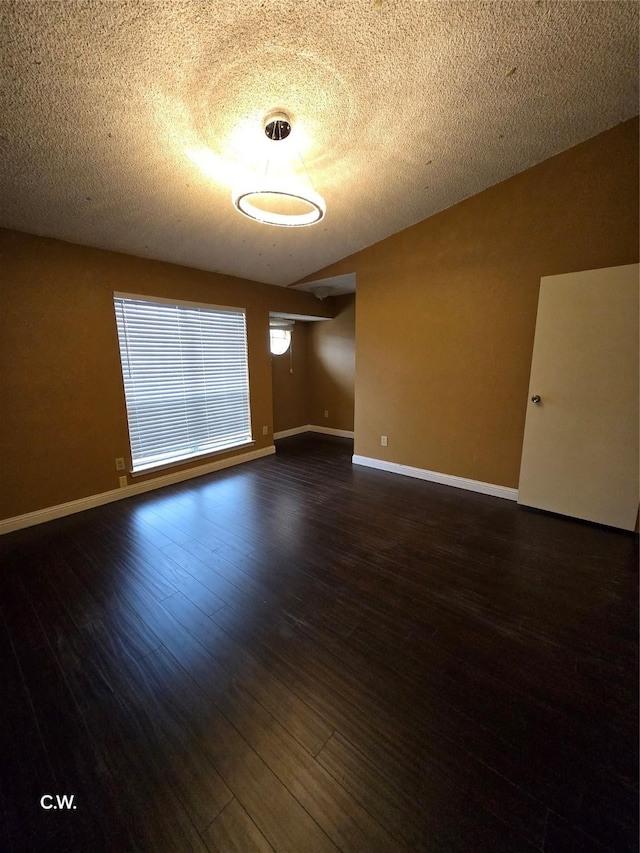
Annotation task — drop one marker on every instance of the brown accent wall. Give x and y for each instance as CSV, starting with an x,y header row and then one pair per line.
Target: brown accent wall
x,y
447,308
290,381
332,366
63,418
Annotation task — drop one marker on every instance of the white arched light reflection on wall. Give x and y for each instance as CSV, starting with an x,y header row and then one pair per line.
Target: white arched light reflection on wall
x,y
278,198
279,339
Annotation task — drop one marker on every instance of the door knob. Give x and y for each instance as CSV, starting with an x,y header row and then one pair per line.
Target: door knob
x,y
536,399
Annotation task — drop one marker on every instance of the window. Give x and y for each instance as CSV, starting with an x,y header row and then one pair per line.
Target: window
x,y
280,340
185,376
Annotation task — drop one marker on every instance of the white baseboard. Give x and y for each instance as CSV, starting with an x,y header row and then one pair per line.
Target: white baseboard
x,y
343,433
29,519
285,433
435,477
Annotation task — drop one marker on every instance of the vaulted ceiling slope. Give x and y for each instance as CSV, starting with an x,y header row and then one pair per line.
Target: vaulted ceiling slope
x,y
125,124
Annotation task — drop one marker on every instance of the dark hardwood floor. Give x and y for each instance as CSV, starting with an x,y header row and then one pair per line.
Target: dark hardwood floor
x,y
301,655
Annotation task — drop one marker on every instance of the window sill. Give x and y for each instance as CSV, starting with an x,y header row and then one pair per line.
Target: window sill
x,y
164,466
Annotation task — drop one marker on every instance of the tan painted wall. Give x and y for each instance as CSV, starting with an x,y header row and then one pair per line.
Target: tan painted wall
x,y
332,366
291,391
447,308
63,418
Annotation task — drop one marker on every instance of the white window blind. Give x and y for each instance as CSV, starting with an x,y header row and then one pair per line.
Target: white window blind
x,y
186,379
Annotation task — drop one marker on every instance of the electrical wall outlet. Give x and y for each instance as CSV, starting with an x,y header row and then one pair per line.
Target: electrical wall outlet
x,y
123,482
265,430
326,413
383,440
120,463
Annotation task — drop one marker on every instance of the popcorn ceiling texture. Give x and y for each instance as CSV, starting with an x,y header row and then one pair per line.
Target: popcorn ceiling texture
x,y
125,125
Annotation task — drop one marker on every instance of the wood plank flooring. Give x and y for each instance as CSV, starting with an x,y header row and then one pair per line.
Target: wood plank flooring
x,y
301,655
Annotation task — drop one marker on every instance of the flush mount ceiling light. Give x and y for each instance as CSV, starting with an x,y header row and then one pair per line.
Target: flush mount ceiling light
x,y
321,292
280,199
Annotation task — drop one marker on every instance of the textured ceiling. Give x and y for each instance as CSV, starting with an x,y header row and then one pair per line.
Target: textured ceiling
x,y
126,125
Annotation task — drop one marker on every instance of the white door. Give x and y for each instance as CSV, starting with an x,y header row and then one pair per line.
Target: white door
x,y
580,451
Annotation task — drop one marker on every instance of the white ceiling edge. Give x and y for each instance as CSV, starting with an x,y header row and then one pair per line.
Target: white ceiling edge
x,y
280,315
337,285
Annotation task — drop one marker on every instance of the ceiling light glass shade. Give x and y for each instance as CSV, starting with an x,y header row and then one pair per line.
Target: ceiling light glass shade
x,y
266,205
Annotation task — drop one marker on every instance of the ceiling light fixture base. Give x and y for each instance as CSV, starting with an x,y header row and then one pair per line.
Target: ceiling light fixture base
x,y
277,126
